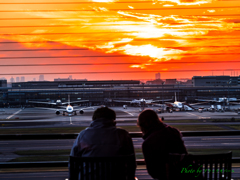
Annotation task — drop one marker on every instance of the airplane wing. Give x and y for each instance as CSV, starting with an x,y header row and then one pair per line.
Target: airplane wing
x,y
207,100
42,102
161,100
53,109
75,102
122,101
234,103
85,108
198,103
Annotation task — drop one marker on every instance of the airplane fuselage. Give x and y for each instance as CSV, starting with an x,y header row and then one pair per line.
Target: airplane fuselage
x,y
69,109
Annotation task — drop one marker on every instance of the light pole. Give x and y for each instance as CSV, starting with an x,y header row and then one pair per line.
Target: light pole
x,y
229,82
178,89
162,98
143,98
162,92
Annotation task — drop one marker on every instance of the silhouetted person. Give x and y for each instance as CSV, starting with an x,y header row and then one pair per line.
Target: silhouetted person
x,y
103,138
159,140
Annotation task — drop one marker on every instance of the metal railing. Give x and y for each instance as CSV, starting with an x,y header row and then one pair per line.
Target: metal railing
x,y
74,135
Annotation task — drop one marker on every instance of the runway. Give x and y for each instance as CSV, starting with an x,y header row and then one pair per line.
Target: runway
x,y
33,117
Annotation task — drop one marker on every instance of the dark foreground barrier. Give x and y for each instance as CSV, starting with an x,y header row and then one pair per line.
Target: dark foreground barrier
x,y
132,134
73,136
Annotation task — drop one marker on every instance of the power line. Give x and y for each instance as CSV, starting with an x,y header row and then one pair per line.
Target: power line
x,y
33,34
115,24
116,72
46,49
106,56
73,25
37,57
12,42
73,18
80,49
109,17
129,63
150,9
85,2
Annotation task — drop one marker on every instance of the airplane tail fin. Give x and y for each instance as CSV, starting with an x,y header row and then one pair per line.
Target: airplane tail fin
x,y
175,97
68,99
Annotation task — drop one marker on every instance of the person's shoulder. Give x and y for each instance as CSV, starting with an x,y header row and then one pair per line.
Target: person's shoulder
x,y
82,133
123,131
173,130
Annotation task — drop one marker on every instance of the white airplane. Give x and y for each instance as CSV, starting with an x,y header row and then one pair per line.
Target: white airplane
x,y
177,105
69,109
58,102
141,101
221,100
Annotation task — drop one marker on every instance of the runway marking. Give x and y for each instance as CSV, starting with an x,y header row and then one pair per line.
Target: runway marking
x,y
70,120
14,114
200,117
193,114
218,138
205,117
128,113
231,143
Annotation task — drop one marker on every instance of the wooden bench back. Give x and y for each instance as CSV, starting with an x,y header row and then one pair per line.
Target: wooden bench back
x,y
102,168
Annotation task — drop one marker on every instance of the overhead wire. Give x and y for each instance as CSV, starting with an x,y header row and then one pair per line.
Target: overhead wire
x,y
119,16
144,9
92,24
128,63
31,34
117,72
80,49
107,56
88,2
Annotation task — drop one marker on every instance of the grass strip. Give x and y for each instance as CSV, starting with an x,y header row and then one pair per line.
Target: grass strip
x,y
182,121
225,120
42,130
180,127
78,129
236,152
197,127
40,158
44,152
237,127
50,158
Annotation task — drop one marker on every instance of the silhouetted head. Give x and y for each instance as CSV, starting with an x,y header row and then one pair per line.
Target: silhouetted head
x,y
147,120
104,112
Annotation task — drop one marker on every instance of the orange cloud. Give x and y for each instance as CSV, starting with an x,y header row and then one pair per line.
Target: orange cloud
x,y
108,26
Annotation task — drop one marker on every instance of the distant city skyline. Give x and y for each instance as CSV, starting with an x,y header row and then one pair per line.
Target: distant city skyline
x,y
71,77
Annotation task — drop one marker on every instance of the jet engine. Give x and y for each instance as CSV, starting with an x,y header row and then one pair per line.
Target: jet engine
x,y
57,112
81,111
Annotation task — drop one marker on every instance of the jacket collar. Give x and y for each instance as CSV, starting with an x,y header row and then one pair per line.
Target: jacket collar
x,y
154,129
102,122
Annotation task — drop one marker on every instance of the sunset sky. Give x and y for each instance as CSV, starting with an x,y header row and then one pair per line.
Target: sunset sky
x,y
179,38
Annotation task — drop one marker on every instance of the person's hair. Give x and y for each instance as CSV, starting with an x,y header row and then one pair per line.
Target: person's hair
x,y
104,112
148,119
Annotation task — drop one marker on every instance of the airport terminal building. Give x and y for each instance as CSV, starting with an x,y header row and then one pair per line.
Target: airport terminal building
x,y
103,92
